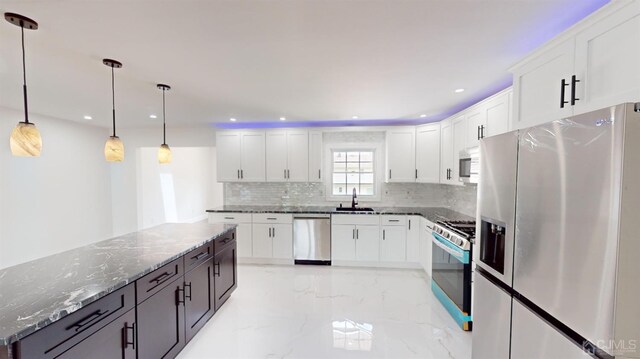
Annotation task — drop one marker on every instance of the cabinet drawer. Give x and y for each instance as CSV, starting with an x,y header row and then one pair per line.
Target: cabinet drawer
x,y
197,256
272,218
393,220
233,217
356,219
224,241
158,279
58,337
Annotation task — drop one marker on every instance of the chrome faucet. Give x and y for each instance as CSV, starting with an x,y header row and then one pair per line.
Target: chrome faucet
x,y
354,199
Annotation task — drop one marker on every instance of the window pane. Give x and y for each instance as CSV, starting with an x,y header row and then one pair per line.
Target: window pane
x,y
339,156
339,178
366,189
339,190
353,156
353,167
353,178
366,178
339,167
366,156
366,167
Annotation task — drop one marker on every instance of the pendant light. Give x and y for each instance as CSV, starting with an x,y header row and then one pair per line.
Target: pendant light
x,y
164,152
25,139
114,148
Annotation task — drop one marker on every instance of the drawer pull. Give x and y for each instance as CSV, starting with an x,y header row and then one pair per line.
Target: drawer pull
x,y
394,220
87,320
160,278
227,240
229,217
271,218
125,335
200,255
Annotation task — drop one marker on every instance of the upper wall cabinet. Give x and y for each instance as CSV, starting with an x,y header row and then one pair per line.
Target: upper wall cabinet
x,y
287,156
401,154
446,151
590,66
428,153
315,156
240,156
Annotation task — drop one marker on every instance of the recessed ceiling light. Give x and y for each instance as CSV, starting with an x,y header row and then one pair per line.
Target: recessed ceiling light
x,y
153,116
355,117
283,119
423,115
232,119
87,117
459,90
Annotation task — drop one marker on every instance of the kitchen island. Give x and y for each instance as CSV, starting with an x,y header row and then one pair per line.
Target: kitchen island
x,y
49,293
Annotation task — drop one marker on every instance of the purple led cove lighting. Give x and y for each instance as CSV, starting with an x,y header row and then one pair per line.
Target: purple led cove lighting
x,y
323,123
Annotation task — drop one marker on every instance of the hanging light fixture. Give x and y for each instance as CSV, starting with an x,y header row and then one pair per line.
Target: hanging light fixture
x,y
114,148
164,152
25,139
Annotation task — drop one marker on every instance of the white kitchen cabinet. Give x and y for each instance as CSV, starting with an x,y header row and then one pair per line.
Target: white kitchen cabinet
x,y
607,60
240,156
244,235
343,242
262,242
401,151
537,86
413,239
426,228
368,243
476,117
446,151
459,143
287,156
498,114
428,153
315,156
393,244
282,237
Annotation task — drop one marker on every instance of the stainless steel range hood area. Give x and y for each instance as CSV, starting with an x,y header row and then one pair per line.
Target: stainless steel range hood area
x,y
560,282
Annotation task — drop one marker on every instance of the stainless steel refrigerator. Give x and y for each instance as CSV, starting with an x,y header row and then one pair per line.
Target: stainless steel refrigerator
x,y
558,253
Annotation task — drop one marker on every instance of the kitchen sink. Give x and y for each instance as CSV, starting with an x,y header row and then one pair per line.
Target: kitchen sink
x,y
354,209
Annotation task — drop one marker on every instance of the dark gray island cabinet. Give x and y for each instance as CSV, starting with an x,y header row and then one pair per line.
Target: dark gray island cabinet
x,y
152,318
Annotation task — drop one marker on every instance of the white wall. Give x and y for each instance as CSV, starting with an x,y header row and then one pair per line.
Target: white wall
x,y
58,201
181,191
127,203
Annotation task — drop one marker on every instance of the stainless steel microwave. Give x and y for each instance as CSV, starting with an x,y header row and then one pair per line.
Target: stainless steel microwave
x,y
469,170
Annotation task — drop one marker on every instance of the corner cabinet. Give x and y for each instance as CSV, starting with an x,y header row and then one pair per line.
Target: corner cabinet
x,y
592,65
240,156
287,156
401,154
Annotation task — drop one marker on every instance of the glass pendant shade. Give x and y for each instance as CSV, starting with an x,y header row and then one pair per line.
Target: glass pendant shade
x,y
25,140
114,149
164,154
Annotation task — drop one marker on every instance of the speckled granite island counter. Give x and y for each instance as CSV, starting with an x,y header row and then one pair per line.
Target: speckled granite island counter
x,y
37,294
432,214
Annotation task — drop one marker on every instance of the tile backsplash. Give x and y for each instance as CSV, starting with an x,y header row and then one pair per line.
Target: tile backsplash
x,y
458,198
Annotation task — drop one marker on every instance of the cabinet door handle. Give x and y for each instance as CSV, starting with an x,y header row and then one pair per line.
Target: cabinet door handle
x,y
125,335
180,298
389,174
478,133
574,81
357,234
416,173
384,235
185,292
89,319
269,232
409,224
353,233
482,131
563,84
284,174
274,232
216,265
241,174
319,174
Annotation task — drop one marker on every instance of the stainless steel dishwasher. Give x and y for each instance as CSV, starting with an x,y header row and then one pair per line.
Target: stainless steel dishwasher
x,y
312,239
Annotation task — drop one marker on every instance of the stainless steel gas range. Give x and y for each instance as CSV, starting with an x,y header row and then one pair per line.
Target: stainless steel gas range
x,y
452,268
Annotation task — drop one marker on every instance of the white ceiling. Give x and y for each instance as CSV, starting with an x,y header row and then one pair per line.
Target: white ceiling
x,y
260,60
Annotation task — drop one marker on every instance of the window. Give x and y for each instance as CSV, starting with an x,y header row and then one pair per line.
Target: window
x,y
353,169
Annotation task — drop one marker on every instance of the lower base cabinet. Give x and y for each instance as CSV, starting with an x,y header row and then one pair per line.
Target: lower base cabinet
x,y
116,340
199,294
161,326
225,273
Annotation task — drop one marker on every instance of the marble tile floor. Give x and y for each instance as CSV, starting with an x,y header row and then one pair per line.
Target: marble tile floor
x,y
330,312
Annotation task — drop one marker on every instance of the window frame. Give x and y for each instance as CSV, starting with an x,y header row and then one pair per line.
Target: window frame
x,y
377,171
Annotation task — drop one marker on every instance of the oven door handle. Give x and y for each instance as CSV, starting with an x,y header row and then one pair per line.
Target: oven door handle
x,y
457,253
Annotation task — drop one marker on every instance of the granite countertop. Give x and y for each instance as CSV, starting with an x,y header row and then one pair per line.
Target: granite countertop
x,y
38,293
433,214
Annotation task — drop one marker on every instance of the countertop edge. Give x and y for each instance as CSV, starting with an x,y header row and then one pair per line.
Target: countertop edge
x,y
8,341
386,211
